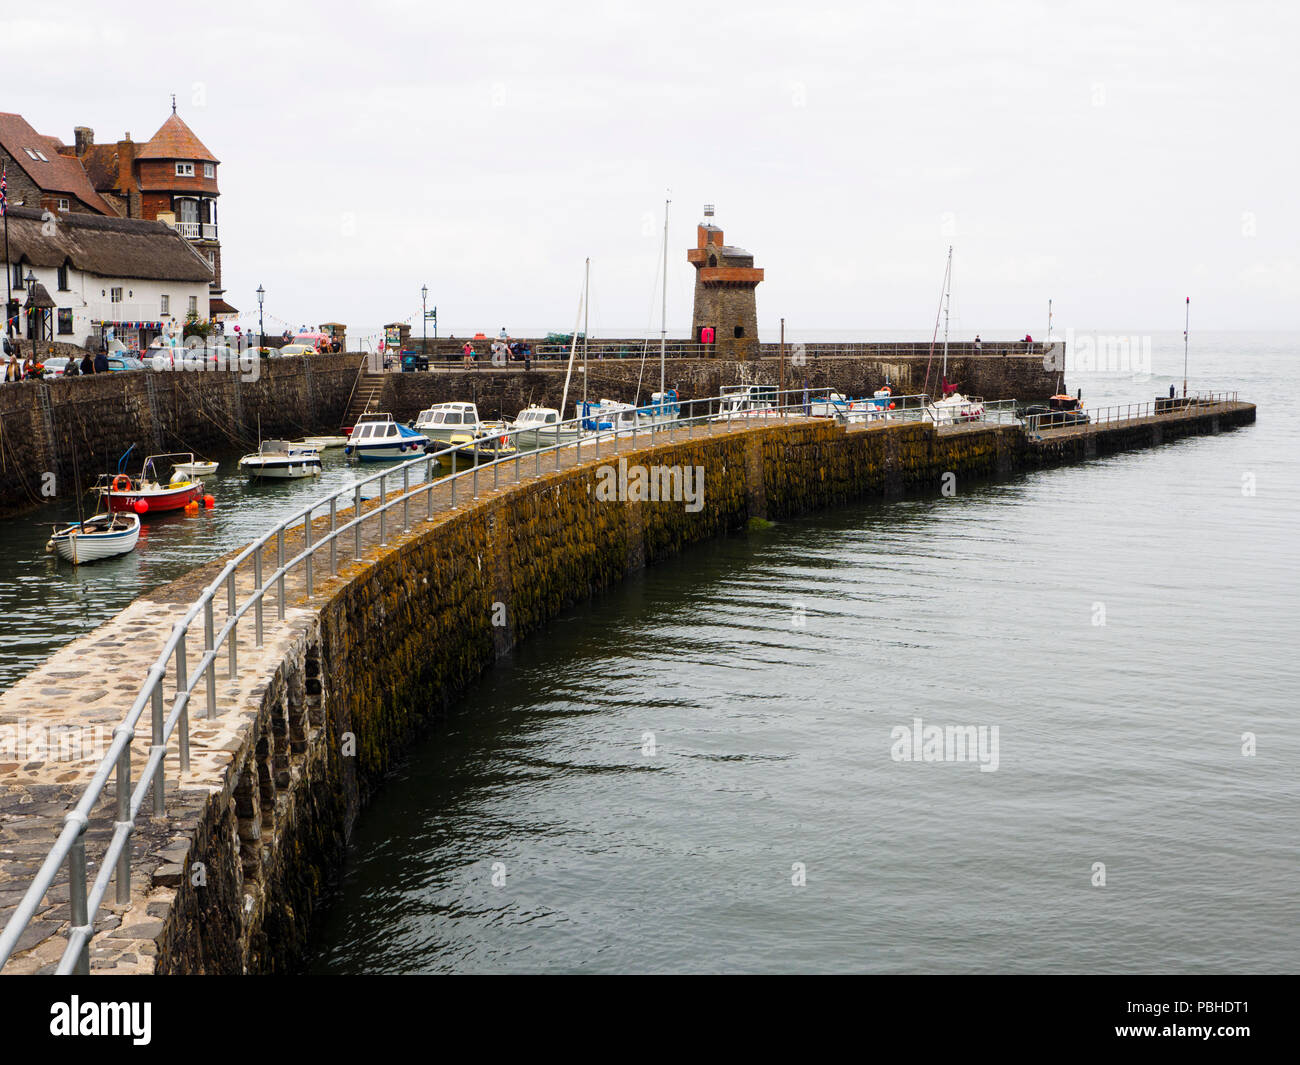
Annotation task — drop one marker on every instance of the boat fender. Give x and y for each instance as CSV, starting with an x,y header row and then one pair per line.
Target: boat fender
x,y
141,506
209,502
121,483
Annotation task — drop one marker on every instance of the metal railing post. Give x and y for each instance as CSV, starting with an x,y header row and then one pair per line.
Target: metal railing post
x,y
474,476
383,509
124,815
257,605
496,462
454,479
232,641
306,535
183,682
77,891
356,529
334,540
209,669
159,778
406,501
428,476
279,565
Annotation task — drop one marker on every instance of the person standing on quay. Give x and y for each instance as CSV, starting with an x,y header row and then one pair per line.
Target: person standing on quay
x,y
978,345
87,365
468,352
101,363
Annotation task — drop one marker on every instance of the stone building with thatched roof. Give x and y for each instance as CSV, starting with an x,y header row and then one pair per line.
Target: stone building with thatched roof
x,y
171,177
80,277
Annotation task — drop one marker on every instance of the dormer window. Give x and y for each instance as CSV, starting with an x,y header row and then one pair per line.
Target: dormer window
x,y
209,170
63,278
184,169
62,204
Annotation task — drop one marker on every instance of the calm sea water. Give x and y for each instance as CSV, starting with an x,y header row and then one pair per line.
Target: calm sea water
x,y
534,830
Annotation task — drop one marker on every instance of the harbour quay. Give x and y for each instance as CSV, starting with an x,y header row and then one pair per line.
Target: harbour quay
x,y
295,721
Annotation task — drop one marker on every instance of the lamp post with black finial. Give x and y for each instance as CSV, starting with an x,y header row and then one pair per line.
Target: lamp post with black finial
x,y
30,282
424,308
261,328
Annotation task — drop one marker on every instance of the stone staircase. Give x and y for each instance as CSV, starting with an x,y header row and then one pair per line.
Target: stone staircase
x,y
370,394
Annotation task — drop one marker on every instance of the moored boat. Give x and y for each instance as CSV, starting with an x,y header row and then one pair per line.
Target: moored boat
x,y
197,468
323,443
279,460
146,494
539,427
103,536
377,437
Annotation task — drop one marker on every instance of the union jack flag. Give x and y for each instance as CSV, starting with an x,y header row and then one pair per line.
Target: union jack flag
x,y
4,191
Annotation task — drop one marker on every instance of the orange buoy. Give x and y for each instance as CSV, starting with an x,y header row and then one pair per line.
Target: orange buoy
x,y
141,505
192,506
209,502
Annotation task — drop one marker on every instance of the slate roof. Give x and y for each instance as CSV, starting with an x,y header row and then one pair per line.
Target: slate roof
x,y
55,173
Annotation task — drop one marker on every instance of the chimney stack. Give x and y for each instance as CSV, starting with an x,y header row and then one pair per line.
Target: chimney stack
x,y
83,137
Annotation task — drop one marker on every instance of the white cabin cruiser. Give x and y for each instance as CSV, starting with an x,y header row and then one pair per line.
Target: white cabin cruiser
x,y
279,460
539,427
377,437
746,401
444,421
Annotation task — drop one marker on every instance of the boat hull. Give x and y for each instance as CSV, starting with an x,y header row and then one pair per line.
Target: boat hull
x,y
384,452
280,469
79,547
164,500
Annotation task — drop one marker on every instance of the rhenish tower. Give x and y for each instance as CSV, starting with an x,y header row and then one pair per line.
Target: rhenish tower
x,y
726,315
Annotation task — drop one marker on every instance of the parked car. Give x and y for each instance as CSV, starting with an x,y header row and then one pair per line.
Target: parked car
x,y
55,367
298,349
119,363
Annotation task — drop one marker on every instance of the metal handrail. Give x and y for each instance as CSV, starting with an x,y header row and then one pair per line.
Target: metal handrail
x,y
116,863
1122,412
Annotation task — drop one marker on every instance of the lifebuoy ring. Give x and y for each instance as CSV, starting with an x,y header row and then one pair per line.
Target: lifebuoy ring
x,y
121,483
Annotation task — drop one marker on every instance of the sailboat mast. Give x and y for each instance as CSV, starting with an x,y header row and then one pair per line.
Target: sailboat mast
x,y
586,315
947,299
1187,325
663,309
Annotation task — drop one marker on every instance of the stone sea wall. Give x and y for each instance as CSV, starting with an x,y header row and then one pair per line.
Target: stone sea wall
x,y
81,425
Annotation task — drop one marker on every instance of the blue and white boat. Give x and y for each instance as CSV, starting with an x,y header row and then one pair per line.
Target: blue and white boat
x,y
378,438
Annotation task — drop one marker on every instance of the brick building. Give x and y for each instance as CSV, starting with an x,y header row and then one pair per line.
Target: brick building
x,y
726,313
171,178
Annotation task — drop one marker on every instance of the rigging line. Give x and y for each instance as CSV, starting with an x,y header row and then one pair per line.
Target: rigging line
x,y
649,325
937,315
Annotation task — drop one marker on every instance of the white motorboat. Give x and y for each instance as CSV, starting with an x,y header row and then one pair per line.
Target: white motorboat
x,y
539,427
323,443
746,401
103,536
664,408
279,460
607,416
377,437
444,421
196,468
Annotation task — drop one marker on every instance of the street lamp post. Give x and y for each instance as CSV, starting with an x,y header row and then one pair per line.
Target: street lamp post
x,y
261,328
30,282
424,307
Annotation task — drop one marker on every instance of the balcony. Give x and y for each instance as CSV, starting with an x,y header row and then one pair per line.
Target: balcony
x,y
197,230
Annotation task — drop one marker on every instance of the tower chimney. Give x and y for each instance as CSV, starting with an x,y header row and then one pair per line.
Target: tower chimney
x,y
83,137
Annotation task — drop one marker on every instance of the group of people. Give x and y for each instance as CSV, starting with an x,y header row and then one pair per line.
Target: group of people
x,y
503,350
28,369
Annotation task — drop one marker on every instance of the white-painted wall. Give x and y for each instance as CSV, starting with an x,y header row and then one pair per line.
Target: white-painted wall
x,y
89,297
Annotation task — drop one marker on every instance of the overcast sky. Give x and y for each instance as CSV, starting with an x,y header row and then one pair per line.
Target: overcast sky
x,y
1114,157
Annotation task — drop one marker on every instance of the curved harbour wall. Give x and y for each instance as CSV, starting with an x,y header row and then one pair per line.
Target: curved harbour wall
x,y
232,883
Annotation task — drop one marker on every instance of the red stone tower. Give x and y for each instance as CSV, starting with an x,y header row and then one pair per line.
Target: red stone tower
x,y
725,280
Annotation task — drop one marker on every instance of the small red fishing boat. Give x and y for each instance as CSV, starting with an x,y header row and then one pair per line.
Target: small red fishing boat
x,y
146,494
